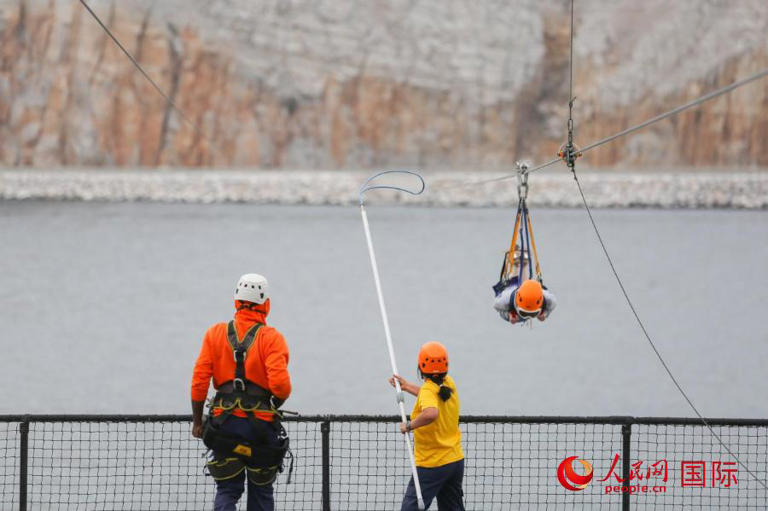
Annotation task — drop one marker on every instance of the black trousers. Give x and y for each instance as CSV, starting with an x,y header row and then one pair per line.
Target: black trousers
x,y
229,491
443,482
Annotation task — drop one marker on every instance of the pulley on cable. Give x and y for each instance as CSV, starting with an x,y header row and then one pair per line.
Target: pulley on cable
x,y
521,294
569,152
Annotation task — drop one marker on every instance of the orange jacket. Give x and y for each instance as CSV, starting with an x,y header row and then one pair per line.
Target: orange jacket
x,y
266,363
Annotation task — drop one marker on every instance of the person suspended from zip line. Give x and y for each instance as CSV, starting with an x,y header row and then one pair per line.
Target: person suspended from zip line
x,y
248,362
436,435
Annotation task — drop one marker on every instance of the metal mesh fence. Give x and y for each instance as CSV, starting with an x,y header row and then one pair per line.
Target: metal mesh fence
x,y
537,450
357,463
702,474
10,440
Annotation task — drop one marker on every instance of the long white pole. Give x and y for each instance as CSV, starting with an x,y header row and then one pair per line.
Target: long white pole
x,y
391,349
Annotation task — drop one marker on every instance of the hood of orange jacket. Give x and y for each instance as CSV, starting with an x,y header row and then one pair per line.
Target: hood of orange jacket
x,y
262,309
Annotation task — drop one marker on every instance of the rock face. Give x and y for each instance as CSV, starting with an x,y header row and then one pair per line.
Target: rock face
x,y
335,84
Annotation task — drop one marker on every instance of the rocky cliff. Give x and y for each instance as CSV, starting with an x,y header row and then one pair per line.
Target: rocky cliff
x,y
343,84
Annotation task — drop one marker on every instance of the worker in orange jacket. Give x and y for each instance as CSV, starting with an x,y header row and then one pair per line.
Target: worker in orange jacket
x,y
248,362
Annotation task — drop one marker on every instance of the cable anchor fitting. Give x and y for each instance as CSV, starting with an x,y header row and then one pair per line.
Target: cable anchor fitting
x,y
569,153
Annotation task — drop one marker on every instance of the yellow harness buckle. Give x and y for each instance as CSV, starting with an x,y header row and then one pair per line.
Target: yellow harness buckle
x,y
242,450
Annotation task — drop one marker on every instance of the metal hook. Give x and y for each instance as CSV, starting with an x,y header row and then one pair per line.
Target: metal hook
x,y
522,179
366,186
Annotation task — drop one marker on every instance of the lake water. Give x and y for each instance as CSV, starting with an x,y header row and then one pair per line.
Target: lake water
x,y
103,306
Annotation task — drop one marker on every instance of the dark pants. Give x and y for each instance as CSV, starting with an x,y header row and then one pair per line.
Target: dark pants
x,y
441,482
228,492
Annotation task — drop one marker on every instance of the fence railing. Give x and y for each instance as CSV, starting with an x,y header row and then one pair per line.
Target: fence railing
x,y
151,462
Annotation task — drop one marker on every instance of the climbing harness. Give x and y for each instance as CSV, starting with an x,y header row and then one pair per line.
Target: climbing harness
x,y
261,460
520,263
516,265
239,393
367,186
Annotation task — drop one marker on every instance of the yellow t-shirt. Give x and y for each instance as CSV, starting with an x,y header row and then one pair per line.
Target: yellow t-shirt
x,y
439,443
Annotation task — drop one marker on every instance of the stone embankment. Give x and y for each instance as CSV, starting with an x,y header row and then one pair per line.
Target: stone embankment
x,y
713,189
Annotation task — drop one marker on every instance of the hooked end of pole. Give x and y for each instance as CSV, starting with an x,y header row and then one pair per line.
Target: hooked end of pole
x,y
367,185
421,504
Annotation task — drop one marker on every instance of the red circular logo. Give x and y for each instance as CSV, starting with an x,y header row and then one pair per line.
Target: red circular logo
x,y
569,478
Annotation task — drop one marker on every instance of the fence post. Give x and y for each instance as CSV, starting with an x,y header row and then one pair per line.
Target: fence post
x,y
325,428
23,463
626,436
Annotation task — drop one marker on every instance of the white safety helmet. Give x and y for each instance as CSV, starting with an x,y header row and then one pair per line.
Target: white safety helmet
x,y
252,287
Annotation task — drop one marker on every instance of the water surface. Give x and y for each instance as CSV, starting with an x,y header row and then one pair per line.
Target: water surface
x,y
104,306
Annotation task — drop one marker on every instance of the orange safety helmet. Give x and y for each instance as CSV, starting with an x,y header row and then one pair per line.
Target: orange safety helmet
x,y
529,297
433,358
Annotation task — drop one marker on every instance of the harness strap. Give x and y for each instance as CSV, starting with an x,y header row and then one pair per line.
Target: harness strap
x,y
533,245
239,349
524,248
510,258
523,234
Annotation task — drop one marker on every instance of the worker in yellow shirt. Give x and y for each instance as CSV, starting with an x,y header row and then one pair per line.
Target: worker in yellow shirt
x,y
436,436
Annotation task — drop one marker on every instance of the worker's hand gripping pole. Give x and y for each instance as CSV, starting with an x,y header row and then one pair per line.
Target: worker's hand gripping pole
x,y
368,186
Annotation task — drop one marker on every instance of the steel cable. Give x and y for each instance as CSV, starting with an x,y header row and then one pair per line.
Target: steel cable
x,y
653,120
212,144
138,66
675,111
650,341
571,160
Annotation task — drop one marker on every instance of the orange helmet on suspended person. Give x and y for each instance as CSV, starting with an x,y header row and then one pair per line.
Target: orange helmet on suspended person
x,y
433,358
529,299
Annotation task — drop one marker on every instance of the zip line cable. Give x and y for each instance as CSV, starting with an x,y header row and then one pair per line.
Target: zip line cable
x,y
570,73
644,124
650,341
568,152
675,111
367,186
197,128
569,155
138,66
